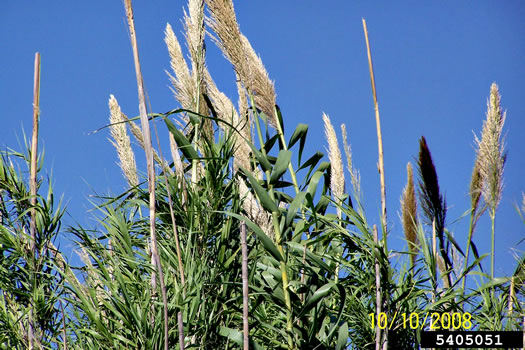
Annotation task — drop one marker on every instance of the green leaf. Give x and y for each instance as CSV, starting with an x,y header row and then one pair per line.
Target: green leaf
x,y
314,299
265,163
298,249
194,118
456,245
183,143
279,117
283,159
294,206
237,337
342,302
270,143
300,131
264,198
313,160
299,134
266,241
314,181
342,337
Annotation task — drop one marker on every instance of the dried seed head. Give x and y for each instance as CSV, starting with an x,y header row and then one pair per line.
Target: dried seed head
x,y
237,49
491,150
195,33
476,185
354,174
431,199
122,143
337,179
183,87
409,213
443,271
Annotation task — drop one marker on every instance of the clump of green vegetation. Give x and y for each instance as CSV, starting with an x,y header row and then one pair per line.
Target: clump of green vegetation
x,y
240,239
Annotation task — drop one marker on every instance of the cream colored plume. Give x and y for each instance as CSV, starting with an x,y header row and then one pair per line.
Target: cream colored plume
x,y
226,111
491,150
122,143
237,49
354,173
337,179
183,87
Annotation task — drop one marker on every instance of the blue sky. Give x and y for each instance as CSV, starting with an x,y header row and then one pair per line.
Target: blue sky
x,y
434,64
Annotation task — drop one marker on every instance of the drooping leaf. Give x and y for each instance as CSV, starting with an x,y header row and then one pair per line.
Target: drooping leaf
x,y
294,206
314,299
237,337
342,337
315,260
183,143
283,160
263,196
300,131
314,181
266,241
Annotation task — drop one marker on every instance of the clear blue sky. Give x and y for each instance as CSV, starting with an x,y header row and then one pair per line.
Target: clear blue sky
x,y
434,64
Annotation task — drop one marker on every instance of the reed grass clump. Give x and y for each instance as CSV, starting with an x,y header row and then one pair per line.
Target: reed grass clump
x,y
242,239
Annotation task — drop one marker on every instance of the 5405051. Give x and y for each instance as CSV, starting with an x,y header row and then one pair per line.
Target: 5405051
x,y
472,339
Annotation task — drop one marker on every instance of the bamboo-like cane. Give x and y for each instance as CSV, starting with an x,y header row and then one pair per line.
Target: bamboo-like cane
x,y
64,341
175,232
434,253
244,248
511,298
381,166
378,293
149,159
32,185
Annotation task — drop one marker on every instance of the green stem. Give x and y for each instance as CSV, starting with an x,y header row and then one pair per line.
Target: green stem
x,y
469,242
493,219
278,239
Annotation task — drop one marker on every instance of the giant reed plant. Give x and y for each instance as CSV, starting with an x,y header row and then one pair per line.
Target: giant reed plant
x,y
316,276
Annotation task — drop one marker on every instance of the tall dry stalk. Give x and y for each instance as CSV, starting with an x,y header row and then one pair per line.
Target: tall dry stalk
x,y
32,341
175,234
245,296
149,160
381,164
409,214
378,291
491,154
434,254
512,295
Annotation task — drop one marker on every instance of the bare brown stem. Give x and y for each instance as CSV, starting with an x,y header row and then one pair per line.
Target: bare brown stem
x,y
177,242
63,326
381,165
378,293
244,248
434,253
32,185
149,159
